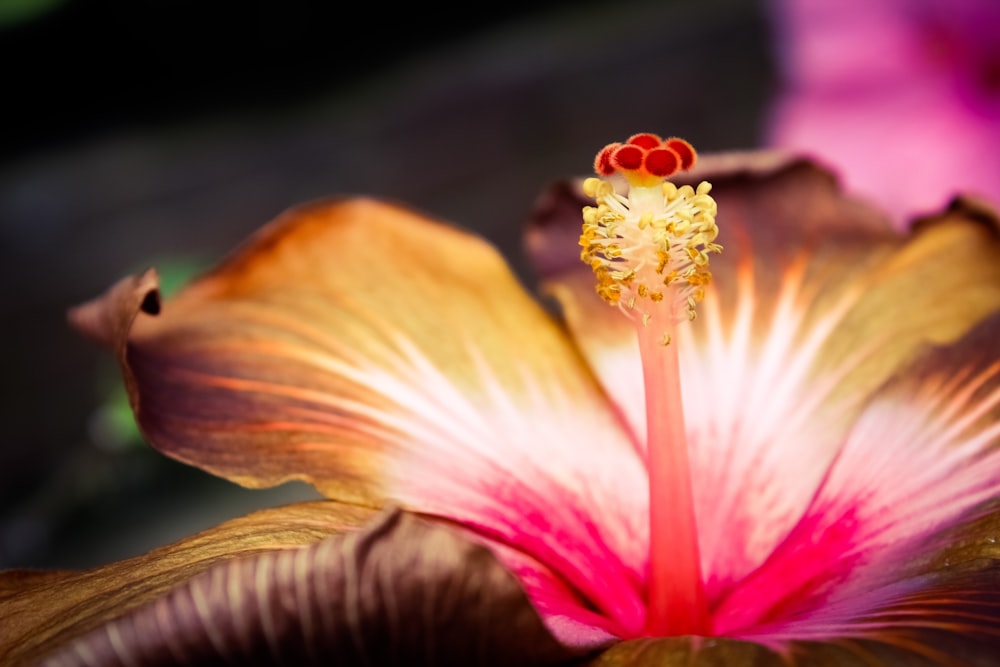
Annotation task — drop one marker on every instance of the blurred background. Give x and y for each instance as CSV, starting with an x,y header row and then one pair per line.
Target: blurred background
x,y
147,132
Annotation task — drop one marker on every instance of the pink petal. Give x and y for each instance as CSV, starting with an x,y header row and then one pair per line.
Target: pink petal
x,y
922,459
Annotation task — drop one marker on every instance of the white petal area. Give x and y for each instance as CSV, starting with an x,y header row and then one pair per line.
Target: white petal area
x,y
535,469
558,483
763,426
788,348
388,358
766,416
920,460
815,304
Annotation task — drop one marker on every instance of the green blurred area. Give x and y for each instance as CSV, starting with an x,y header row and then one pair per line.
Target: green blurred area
x,y
14,12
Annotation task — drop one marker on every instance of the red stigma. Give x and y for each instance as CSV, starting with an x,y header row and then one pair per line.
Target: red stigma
x,y
645,158
628,157
602,163
662,162
646,140
684,150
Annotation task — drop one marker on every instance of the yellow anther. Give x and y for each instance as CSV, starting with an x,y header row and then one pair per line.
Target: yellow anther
x,y
649,245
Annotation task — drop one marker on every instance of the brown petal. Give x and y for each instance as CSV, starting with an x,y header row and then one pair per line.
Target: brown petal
x,y
401,592
381,355
42,610
109,319
339,334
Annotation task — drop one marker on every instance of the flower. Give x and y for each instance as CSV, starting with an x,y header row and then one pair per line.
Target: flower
x,y
841,386
901,97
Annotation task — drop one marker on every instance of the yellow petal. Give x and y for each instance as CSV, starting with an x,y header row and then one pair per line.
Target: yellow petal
x,y
379,354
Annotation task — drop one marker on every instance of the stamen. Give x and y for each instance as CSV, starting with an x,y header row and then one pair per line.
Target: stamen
x,y
649,249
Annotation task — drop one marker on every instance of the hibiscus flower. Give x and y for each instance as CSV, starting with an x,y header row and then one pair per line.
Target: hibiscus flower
x,y
901,96
490,460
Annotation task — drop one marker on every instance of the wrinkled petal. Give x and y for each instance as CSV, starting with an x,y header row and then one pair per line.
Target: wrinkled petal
x,y
402,591
815,304
42,610
378,354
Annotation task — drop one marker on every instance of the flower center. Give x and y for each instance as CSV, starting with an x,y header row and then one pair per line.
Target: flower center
x,y
649,249
655,240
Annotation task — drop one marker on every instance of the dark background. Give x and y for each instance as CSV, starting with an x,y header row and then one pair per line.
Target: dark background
x,y
140,132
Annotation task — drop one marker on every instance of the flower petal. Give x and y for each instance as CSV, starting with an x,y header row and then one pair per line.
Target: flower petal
x,y
816,302
893,540
378,354
927,650
402,591
41,610
687,652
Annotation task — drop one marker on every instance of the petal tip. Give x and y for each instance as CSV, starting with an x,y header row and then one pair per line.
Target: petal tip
x,y
968,207
107,318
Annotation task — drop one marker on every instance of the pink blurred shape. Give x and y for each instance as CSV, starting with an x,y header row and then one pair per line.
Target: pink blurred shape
x,y
901,97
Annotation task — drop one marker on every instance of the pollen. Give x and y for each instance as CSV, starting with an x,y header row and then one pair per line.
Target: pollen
x,y
649,243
